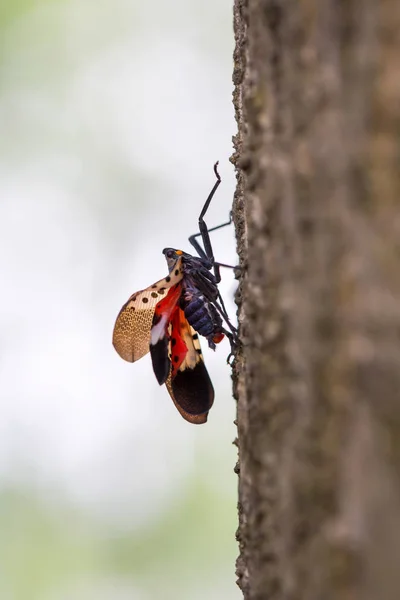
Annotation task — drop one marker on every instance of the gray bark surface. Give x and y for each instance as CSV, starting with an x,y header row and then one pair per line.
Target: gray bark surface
x,y
317,100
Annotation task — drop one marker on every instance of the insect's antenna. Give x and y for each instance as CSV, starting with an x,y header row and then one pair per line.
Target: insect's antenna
x,y
203,229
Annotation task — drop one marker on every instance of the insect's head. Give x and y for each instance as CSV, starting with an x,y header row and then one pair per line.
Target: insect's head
x,y
172,255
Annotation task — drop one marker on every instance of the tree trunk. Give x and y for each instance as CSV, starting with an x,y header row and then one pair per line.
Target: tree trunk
x,y
317,99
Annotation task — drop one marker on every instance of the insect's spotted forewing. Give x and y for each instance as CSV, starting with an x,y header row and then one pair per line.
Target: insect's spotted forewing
x,y
131,336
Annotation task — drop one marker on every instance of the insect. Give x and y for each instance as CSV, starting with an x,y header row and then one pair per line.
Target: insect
x,y
168,317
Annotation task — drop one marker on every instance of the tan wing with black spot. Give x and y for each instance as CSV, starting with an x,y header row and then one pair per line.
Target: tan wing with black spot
x,y
131,336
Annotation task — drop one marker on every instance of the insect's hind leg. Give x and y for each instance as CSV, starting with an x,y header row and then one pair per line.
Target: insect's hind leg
x,y
207,252
193,241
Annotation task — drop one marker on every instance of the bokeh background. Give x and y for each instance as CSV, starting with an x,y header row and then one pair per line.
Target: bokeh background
x,y
112,113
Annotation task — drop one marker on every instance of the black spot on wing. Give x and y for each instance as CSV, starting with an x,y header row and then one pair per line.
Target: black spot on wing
x,y
193,390
160,360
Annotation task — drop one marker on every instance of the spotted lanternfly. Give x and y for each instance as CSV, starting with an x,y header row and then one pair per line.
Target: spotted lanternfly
x,y
167,318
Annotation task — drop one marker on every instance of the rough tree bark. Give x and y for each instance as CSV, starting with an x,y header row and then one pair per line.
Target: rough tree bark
x,y
317,99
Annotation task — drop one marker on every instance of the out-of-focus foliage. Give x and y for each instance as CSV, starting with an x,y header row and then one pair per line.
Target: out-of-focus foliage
x,y
112,115
49,546
11,10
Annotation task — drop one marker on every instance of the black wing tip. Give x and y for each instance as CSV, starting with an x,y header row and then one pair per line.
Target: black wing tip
x,y
160,360
194,392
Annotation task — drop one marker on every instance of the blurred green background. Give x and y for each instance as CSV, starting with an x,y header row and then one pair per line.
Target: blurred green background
x,y
112,113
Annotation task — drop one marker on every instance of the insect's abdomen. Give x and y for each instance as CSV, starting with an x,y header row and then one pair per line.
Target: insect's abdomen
x,y
199,316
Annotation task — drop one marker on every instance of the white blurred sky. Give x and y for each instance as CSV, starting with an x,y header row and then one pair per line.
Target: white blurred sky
x,y
99,99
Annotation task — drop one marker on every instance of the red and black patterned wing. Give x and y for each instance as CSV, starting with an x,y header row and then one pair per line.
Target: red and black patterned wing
x,y
132,329
188,384
159,336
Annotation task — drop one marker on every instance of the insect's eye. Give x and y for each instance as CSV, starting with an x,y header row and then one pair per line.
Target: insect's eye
x,y
170,253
